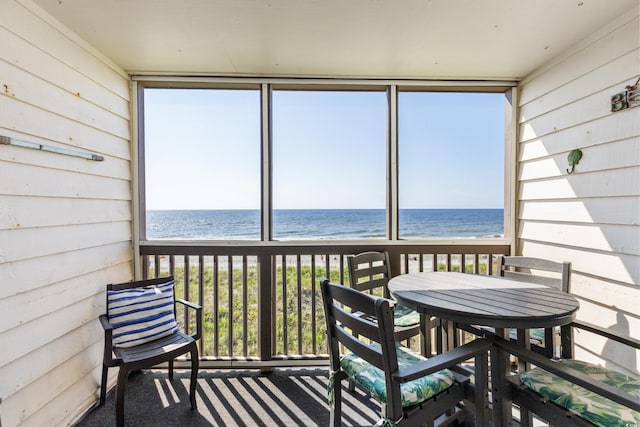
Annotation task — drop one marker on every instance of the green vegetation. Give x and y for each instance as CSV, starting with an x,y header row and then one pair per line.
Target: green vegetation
x,y
225,300
231,307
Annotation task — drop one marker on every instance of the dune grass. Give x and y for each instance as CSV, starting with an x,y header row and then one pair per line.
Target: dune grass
x,y
297,309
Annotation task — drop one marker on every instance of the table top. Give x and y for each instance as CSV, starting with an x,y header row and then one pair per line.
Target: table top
x,y
477,299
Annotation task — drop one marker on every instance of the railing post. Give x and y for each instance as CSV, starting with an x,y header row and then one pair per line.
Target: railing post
x,y
265,296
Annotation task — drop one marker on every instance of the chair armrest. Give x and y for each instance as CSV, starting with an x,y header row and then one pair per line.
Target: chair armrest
x,y
106,325
189,304
198,309
108,358
443,360
599,330
569,374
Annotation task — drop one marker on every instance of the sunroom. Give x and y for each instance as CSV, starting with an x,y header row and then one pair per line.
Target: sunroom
x,y
99,110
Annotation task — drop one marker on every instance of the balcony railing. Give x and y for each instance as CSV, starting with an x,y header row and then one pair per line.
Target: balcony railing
x,y
261,301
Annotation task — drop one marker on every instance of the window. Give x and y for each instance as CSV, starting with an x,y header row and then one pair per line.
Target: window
x,y
323,159
451,164
202,163
329,170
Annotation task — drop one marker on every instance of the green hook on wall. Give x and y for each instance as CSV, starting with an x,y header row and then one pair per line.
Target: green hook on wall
x,y
573,158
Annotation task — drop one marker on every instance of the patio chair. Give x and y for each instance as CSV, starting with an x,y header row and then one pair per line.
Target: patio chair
x,y
569,392
369,272
528,269
140,331
411,389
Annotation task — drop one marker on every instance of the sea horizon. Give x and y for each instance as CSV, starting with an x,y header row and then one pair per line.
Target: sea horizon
x,y
304,223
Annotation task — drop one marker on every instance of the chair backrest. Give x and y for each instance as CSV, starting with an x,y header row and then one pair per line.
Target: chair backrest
x,y
138,284
535,270
369,271
141,311
355,330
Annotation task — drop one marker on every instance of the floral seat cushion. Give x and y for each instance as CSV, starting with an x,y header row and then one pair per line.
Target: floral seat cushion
x,y
536,336
404,316
413,392
588,405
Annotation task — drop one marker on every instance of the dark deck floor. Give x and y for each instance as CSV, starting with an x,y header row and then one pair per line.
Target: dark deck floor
x,y
283,397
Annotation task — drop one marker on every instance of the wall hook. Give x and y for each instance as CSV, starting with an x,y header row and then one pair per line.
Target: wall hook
x,y
573,158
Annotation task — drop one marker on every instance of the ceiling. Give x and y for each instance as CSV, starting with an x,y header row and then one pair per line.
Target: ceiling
x,y
441,39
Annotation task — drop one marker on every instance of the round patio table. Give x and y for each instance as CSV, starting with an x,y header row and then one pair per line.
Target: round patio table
x,y
474,299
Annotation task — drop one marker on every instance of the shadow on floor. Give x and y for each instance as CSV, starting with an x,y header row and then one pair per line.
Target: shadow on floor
x,y
283,397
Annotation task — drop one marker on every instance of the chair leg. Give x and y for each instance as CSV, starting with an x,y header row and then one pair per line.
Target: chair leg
x,y
549,343
171,370
335,418
123,374
440,337
194,375
481,370
103,384
425,335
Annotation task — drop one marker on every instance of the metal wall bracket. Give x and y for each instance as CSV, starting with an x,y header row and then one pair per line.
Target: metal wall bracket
x,y
5,140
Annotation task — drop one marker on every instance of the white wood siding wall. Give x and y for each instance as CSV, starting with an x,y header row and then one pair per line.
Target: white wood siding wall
x,y
65,223
591,218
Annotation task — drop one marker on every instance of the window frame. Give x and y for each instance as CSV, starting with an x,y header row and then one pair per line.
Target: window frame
x,y
266,86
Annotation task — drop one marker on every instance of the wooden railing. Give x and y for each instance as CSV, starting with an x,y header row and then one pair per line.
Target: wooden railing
x,y
261,301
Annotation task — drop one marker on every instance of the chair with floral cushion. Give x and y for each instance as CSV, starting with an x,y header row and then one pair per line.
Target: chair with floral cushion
x,y
370,272
411,389
569,392
543,272
140,331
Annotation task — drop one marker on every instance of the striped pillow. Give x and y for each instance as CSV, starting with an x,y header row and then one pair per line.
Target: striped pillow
x,y
141,315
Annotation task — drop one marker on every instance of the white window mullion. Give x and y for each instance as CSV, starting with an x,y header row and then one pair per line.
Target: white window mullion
x,y
392,164
266,213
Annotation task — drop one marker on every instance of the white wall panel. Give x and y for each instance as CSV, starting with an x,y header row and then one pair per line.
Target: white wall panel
x,y
593,210
27,212
624,239
65,222
113,168
592,217
55,240
35,91
21,179
613,73
616,269
43,300
620,154
589,108
605,46
50,414
595,132
57,382
610,183
30,367
23,121
52,39
33,273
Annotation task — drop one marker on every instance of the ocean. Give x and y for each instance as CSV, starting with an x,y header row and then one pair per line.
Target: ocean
x,y
302,224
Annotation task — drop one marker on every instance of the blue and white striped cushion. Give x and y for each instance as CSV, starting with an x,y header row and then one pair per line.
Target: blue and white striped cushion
x,y
141,315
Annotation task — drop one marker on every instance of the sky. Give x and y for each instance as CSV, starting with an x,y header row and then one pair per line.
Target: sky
x,y
202,149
